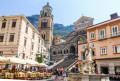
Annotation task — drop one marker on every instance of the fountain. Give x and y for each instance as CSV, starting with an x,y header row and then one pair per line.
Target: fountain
x,y
87,70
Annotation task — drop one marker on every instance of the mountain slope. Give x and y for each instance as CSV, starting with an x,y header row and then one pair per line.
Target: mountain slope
x,y
58,29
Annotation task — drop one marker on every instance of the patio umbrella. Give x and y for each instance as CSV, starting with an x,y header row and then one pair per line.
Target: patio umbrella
x,y
15,60
42,64
3,59
31,62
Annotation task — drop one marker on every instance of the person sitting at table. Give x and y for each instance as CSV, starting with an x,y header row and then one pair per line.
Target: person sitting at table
x,y
13,68
9,68
26,68
6,66
30,68
35,69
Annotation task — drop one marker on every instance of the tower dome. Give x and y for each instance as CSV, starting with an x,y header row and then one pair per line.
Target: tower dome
x,y
46,11
47,6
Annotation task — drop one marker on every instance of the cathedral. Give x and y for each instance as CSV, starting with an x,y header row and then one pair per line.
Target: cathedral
x,y
58,47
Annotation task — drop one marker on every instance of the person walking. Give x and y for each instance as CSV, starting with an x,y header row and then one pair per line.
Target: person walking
x,y
64,75
57,73
61,73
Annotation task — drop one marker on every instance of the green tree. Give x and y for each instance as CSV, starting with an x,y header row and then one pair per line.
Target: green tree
x,y
80,39
39,58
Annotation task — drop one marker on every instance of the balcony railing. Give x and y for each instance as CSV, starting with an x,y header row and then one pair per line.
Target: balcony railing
x,y
115,34
102,37
81,42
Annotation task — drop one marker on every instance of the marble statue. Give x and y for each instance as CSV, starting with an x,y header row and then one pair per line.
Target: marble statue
x,y
87,67
88,51
87,70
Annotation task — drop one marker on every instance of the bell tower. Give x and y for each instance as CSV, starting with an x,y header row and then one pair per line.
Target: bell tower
x,y
45,26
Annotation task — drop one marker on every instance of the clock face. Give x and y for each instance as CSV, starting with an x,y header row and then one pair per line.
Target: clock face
x,y
83,21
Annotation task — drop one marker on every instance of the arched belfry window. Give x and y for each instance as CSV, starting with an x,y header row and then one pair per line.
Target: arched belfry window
x,y
43,36
44,23
45,14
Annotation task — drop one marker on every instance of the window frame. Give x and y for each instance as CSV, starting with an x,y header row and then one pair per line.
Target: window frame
x,y
102,36
92,35
114,32
82,56
33,35
26,29
92,52
13,25
25,41
3,26
11,40
117,48
103,52
32,46
2,38
83,46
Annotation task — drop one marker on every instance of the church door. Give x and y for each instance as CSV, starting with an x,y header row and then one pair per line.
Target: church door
x,y
72,49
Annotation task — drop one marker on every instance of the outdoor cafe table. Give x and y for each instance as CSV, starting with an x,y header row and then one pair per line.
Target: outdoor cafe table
x,y
9,75
27,75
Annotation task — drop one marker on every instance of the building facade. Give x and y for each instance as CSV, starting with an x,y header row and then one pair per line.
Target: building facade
x,y
45,26
104,38
18,37
58,40
70,46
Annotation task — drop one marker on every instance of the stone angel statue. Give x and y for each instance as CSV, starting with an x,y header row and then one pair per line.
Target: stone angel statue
x,y
88,51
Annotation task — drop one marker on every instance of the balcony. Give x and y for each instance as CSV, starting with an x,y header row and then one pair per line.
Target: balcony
x,y
82,42
115,34
101,37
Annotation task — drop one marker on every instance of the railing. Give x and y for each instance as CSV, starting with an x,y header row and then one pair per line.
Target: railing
x,y
102,37
69,67
81,42
56,64
115,34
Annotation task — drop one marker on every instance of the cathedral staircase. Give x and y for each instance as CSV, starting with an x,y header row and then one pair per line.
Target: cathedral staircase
x,y
67,62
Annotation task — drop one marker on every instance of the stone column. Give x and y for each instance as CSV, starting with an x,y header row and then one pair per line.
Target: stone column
x,y
111,68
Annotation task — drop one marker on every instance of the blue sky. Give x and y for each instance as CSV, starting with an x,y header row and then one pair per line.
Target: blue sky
x,y
65,11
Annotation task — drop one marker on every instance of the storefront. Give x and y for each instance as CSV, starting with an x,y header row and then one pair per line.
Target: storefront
x,y
117,70
108,66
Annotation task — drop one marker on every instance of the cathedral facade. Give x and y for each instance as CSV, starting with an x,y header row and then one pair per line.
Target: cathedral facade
x,y
70,45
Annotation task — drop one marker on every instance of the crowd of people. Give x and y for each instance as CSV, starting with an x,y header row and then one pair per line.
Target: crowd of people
x,y
12,68
60,74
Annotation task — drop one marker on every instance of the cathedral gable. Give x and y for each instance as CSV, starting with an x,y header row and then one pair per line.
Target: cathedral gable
x,y
83,22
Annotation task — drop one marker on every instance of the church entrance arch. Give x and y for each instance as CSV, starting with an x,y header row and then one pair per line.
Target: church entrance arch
x,y
72,49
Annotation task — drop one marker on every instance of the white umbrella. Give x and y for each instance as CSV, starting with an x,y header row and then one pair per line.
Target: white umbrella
x,y
31,62
3,59
42,64
15,60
